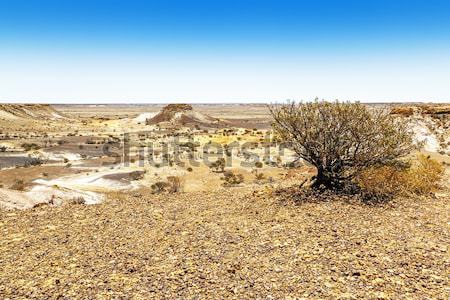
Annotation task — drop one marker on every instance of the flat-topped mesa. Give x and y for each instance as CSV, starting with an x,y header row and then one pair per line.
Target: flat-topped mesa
x,y
182,115
177,108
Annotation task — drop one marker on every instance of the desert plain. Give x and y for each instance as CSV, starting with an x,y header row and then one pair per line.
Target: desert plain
x,y
188,202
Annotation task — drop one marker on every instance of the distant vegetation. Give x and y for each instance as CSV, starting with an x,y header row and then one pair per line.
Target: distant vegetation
x,y
30,146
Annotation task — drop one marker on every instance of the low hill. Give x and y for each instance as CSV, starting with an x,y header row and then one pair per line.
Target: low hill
x,y
29,111
182,115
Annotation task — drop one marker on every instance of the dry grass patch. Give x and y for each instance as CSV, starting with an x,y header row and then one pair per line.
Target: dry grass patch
x,y
422,177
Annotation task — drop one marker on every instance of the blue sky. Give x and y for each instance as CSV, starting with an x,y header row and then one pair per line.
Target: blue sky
x,y
224,51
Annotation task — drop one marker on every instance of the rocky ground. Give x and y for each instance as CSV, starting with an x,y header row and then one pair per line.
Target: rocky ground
x,y
231,243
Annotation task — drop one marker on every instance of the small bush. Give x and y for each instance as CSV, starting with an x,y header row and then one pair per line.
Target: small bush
x,y
19,185
175,185
189,169
136,175
159,187
258,164
420,178
259,177
172,185
32,161
424,176
231,179
218,166
77,201
30,146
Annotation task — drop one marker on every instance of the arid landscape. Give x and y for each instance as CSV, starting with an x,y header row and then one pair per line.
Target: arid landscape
x,y
202,201
257,149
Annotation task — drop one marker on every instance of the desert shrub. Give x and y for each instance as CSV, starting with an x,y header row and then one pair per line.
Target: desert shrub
x,y
136,175
423,176
77,200
30,146
258,164
218,165
2,148
259,177
19,185
175,184
159,187
232,179
420,177
32,161
340,139
172,185
189,169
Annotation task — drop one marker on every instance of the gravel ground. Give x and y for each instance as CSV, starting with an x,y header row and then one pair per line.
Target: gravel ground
x,y
232,243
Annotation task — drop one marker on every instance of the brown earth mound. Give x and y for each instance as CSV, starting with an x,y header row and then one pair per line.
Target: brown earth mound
x,y
403,110
422,109
436,109
182,114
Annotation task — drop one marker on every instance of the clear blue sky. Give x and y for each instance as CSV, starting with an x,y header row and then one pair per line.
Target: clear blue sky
x,y
224,50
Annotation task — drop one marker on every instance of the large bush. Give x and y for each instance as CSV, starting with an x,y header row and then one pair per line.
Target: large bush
x,y
340,138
